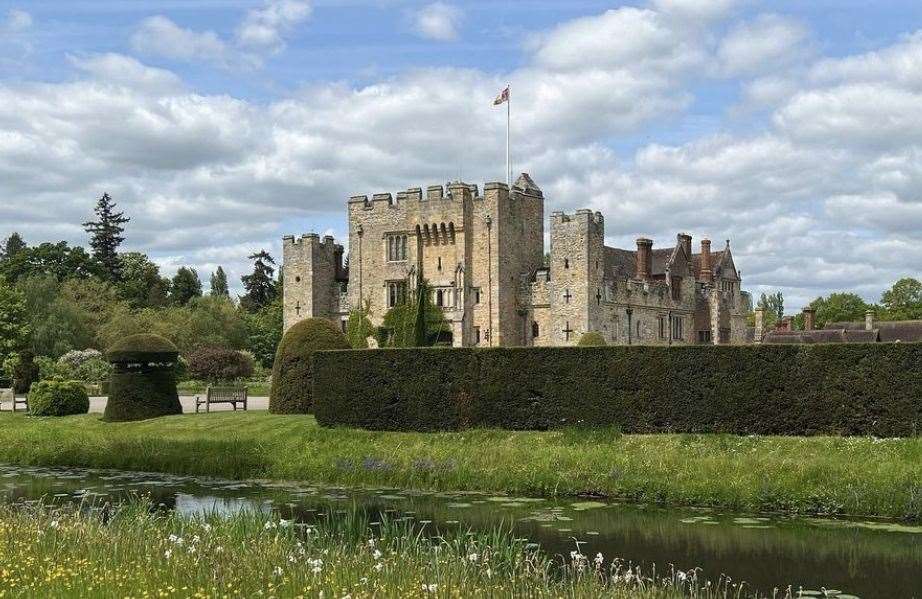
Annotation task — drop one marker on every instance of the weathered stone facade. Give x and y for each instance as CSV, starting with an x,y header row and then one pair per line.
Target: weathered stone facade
x,y
483,258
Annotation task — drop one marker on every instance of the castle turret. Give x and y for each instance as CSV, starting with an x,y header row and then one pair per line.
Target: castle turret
x,y
577,263
314,276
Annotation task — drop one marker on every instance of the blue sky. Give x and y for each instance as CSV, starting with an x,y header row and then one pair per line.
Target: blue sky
x,y
220,125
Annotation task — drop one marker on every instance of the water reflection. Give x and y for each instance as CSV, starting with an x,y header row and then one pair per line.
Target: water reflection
x,y
868,559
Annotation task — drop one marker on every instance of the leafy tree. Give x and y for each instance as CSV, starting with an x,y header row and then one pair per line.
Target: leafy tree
x,y
106,236
264,332
359,327
773,305
838,307
219,283
12,246
14,327
400,323
903,301
56,259
261,288
141,284
185,286
56,324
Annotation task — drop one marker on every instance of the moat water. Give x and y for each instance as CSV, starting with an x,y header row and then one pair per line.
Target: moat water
x,y
863,558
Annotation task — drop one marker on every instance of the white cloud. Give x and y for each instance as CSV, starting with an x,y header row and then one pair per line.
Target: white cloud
x,y
123,70
768,43
159,36
16,20
266,28
438,21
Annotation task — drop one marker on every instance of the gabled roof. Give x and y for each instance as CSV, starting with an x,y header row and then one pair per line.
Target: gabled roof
x,y
525,184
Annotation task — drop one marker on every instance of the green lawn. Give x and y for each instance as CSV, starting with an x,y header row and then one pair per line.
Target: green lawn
x,y
820,475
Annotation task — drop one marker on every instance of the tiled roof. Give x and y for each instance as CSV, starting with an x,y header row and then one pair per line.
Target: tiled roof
x,y
716,257
820,336
619,263
891,331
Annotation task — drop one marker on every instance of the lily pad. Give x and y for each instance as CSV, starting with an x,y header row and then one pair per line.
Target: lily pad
x,y
587,505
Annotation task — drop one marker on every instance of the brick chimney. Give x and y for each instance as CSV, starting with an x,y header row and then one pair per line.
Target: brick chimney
x,y
685,242
869,320
644,258
707,272
809,319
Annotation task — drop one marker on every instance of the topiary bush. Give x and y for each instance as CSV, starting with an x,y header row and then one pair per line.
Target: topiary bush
x,y
292,373
592,339
58,398
214,364
25,372
143,383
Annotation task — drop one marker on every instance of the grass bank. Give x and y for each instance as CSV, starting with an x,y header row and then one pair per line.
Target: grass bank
x,y
816,475
134,552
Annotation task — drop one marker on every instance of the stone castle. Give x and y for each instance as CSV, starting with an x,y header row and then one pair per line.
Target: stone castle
x,y
483,258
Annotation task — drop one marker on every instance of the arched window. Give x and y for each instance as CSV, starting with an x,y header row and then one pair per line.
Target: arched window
x,y
535,331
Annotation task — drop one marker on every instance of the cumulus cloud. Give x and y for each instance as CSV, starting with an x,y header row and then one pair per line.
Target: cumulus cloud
x,y
15,21
159,36
826,196
266,28
438,21
768,43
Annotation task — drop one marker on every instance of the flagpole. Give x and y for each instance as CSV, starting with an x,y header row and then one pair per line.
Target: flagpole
x,y
508,120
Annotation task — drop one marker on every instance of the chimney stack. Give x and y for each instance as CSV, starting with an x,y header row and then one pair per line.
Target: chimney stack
x,y
707,272
809,319
685,242
644,258
759,325
869,320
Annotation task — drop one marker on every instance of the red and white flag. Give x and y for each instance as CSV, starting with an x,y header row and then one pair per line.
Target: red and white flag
x,y
502,97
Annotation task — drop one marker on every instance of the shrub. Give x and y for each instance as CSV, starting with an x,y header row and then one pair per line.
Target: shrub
x,y
292,371
58,398
860,389
592,339
25,372
215,364
143,383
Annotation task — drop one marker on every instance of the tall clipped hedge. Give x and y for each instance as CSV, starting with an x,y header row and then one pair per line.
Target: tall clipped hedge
x,y
873,389
292,372
143,383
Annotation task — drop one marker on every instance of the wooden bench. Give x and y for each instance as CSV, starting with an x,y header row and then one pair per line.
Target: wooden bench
x,y
231,395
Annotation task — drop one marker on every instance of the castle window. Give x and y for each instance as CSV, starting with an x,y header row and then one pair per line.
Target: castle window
x,y
439,298
535,331
662,327
396,293
342,324
396,248
567,296
297,279
638,330
704,336
677,328
566,263
676,285
476,295
476,335
440,263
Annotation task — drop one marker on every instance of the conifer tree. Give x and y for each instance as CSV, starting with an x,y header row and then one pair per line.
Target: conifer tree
x,y
106,236
261,288
12,246
186,286
219,284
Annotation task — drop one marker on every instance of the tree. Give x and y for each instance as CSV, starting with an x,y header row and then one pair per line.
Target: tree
x,y
773,305
56,259
400,323
14,328
185,286
12,246
219,283
839,307
57,325
264,332
106,236
141,284
261,288
903,301
359,327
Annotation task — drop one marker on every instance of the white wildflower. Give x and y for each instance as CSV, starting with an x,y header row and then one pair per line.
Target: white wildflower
x,y
167,553
285,523
378,567
473,557
278,571
430,588
377,554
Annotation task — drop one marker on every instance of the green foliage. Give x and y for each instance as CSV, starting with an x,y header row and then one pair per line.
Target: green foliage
x,y
12,246
14,321
141,284
147,390
903,301
592,339
56,259
185,286
58,324
106,236
218,364
58,398
359,328
773,305
832,389
261,288
837,307
25,372
402,322
219,283
292,373
264,332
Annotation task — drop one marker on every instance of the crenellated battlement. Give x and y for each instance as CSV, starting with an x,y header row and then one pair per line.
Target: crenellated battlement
x,y
580,216
450,192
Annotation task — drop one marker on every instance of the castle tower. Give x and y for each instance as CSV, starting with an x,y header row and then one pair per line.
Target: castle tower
x,y
313,277
577,266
